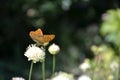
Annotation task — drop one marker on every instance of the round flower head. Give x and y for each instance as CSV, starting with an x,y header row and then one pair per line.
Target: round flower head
x,y
114,65
18,78
84,77
54,49
63,76
85,65
35,53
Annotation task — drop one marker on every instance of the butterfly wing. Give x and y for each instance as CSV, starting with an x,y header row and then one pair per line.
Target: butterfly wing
x,y
48,38
37,35
37,32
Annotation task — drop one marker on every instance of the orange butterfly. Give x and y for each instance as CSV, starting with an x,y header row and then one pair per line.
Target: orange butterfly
x,y
38,37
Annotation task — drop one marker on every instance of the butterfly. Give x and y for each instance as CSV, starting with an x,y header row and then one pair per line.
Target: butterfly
x,y
40,38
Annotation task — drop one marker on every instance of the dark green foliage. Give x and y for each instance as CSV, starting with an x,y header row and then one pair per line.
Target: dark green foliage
x,y
75,27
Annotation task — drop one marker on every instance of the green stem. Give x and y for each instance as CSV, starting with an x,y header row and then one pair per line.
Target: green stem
x,y
118,71
53,69
43,65
117,75
30,73
43,70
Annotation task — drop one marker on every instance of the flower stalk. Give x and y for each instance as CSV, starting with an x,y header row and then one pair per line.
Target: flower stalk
x,y
53,49
43,70
54,62
43,65
30,73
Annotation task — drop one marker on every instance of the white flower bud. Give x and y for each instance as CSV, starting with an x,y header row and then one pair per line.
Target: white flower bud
x,y
35,53
54,49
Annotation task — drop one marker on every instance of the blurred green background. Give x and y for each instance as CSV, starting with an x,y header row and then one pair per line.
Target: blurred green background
x,y
76,24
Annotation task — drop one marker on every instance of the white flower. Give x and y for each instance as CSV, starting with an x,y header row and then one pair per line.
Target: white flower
x,y
35,53
114,65
54,49
18,78
84,77
63,76
60,77
84,66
